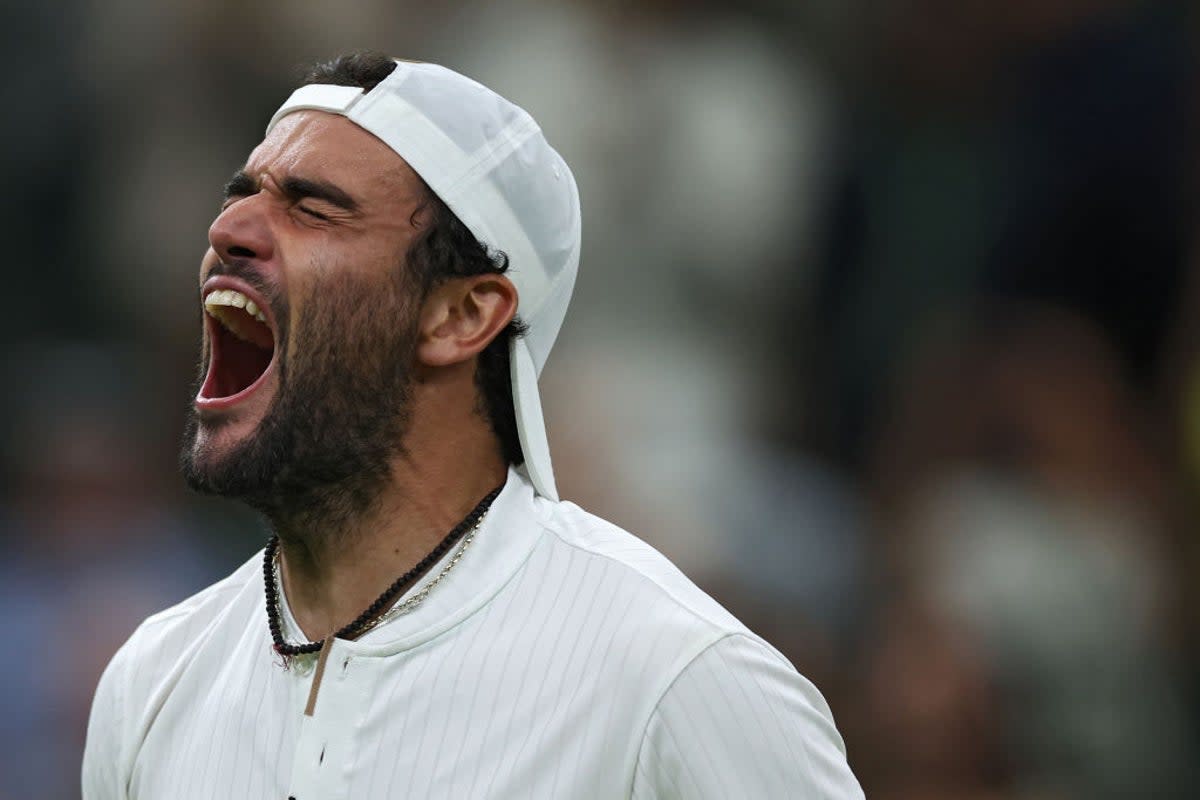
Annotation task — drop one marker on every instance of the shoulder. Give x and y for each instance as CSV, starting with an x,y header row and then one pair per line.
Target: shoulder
x,y
635,563
163,642
600,578
739,721
141,674
727,713
187,620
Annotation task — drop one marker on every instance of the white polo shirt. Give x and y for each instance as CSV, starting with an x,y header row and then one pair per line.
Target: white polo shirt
x,y
561,658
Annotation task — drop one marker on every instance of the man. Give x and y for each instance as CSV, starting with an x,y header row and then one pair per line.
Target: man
x,y
384,283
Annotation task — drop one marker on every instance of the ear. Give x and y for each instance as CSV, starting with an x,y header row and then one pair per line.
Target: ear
x,y
462,316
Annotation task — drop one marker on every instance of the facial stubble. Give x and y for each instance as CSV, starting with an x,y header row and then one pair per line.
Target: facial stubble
x,y
322,452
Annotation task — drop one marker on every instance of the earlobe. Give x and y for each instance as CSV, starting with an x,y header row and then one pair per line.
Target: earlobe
x,y
462,316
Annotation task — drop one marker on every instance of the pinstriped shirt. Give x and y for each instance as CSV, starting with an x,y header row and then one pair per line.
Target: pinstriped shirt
x,y
561,658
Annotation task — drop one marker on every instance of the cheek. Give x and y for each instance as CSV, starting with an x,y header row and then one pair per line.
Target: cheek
x,y
370,280
309,273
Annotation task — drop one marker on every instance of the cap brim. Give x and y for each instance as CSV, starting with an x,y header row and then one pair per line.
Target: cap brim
x,y
531,426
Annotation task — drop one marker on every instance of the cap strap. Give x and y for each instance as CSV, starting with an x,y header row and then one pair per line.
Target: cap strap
x,y
531,425
319,97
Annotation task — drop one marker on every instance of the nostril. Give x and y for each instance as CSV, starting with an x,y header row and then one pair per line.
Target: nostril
x,y
244,252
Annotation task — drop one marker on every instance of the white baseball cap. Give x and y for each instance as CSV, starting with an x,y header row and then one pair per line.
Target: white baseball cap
x,y
487,160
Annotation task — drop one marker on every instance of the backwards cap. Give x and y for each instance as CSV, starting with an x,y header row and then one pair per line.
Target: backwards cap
x,y
488,161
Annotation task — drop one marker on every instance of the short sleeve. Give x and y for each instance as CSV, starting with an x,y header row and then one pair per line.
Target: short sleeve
x,y
102,754
739,721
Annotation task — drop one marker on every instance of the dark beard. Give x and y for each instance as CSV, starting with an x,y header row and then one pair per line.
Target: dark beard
x,y
321,454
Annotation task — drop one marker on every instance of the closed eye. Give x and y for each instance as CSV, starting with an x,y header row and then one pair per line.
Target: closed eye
x,y
315,214
296,189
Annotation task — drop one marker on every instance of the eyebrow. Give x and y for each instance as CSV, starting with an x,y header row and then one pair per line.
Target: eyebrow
x,y
243,184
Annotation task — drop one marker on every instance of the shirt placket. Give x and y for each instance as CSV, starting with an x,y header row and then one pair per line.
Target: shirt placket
x,y
325,751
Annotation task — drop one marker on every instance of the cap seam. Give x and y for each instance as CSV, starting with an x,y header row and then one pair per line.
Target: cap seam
x,y
489,155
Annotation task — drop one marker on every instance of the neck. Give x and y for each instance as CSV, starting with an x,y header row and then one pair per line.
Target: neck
x,y
333,568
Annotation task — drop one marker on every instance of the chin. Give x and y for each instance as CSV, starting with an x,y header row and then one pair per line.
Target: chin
x,y
214,458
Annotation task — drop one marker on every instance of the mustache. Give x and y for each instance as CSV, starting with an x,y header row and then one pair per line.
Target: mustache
x,y
240,268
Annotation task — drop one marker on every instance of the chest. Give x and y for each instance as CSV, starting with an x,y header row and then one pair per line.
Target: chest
x,y
453,718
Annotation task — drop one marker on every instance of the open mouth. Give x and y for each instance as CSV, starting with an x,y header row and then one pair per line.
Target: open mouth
x,y
241,345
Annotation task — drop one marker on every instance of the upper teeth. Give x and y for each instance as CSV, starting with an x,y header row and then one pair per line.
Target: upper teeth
x,y
232,297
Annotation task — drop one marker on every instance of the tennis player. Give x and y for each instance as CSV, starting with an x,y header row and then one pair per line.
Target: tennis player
x,y
384,282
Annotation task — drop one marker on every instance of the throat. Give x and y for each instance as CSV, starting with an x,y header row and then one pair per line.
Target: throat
x,y
346,596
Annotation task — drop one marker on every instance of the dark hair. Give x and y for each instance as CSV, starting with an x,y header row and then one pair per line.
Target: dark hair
x,y
446,250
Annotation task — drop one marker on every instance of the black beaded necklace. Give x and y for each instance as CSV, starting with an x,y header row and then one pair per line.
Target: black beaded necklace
x,y
362,622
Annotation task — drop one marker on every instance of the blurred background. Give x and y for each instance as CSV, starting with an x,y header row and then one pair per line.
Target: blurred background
x,y
886,332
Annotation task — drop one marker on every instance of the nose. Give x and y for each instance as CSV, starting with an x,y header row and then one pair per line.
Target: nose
x,y
243,230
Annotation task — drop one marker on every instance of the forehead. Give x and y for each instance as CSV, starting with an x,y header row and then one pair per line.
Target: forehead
x,y
319,145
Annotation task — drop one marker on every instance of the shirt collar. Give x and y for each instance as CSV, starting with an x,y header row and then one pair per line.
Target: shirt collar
x,y
500,546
